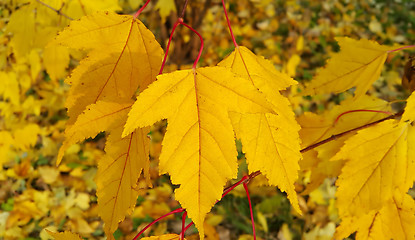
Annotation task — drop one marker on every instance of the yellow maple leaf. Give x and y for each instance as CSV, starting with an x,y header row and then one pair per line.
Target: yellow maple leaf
x,y
120,168
261,71
27,136
56,59
379,160
22,26
268,139
124,57
67,235
96,118
163,237
9,87
358,64
79,8
395,220
292,65
165,7
199,149
118,173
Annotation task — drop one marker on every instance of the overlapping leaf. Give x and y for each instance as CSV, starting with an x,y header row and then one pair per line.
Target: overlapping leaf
x,y
380,160
271,141
199,147
393,221
358,64
95,119
350,114
123,57
118,173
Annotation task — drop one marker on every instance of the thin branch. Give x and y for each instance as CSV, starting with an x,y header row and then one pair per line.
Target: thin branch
x,y
401,48
184,9
177,23
141,9
183,227
229,24
188,226
250,209
158,219
201,43
59,12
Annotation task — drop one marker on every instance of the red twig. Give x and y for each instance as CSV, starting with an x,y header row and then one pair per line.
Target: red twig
x,y
158,219
183,222
401,48
179,20
141,9
360,110
187,227
201,43
229,24
250,209
184,9
230,188
244,180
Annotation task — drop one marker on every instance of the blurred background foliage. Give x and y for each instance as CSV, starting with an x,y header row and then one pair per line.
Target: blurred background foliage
x,y
297,36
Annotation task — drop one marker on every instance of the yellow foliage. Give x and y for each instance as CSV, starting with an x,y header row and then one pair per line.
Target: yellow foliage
x,y
315,128
377,156
267,139
165,7
163,237
27,136
118,172
115,44
196,105
358,64
95,119
67,235
22,26
393,221
6,141
409,114
205,108
9,88
79,8
56,60
292,65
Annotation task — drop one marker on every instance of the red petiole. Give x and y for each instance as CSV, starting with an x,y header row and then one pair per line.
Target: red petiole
x,y
229,24
183,222
141,9
401,48
250,209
